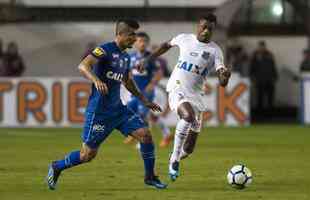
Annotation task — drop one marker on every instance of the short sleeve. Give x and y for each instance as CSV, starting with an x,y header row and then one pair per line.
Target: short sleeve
x,y
99,52
176,41
219,59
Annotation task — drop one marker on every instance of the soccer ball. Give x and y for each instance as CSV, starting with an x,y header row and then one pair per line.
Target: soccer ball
x,y
239,177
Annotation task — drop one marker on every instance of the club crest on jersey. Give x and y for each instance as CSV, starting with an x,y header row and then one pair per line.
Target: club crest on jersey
x,y
114,76
205,55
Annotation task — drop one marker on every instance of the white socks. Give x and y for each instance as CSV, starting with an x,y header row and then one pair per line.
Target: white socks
x,y
183,154
181,132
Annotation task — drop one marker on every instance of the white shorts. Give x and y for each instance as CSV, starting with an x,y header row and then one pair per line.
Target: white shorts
x,y
179,96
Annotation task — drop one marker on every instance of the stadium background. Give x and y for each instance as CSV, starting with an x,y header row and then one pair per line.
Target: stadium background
x,y
52,37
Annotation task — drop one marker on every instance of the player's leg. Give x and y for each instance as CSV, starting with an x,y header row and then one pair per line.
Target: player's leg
x,y
190,142
133,105
187,120
144,114
74,158
94,134
143,135
133,125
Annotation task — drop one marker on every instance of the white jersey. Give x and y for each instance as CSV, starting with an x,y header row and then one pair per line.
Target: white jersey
x,y
196,61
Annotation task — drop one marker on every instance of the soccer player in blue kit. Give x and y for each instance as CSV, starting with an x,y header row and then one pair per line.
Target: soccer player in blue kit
x,y
107,67
146,80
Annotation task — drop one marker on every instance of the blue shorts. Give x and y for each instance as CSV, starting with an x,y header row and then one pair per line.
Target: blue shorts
x,y
138,107
98,127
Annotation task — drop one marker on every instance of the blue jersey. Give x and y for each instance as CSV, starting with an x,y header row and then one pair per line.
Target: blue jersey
x,y
144,78
112,66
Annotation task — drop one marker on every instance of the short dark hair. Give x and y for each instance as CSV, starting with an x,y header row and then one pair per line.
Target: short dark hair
x,y
123,24
143,35
210,17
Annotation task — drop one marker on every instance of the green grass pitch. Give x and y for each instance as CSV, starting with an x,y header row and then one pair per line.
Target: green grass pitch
x,y
279,157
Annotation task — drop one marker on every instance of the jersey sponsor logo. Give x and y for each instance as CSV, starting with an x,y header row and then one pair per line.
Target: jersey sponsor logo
x,y
114,76
98,127
205,55
187,66
98,51
180,96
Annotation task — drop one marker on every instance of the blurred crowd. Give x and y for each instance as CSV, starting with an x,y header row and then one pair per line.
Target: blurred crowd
x,y
260,66
262,70
11,62
305,64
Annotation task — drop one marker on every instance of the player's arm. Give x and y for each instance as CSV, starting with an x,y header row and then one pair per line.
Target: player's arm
x,y
86,69
131,86
223,72
163,48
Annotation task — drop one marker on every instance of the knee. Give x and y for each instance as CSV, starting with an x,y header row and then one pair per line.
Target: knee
x,y
87,155
145,136
189,117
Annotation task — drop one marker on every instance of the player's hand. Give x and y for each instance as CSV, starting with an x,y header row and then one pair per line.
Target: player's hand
x,y
226,72
153,106
101,86
224,75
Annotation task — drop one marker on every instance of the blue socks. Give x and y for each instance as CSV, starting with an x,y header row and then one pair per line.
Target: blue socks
x,y
147,153
72,159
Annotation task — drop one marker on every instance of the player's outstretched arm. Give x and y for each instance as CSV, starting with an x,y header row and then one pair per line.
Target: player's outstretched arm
x,y
131,86
163,48
85,68
223,75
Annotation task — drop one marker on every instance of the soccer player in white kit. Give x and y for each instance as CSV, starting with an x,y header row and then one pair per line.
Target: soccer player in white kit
x,y
198,57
